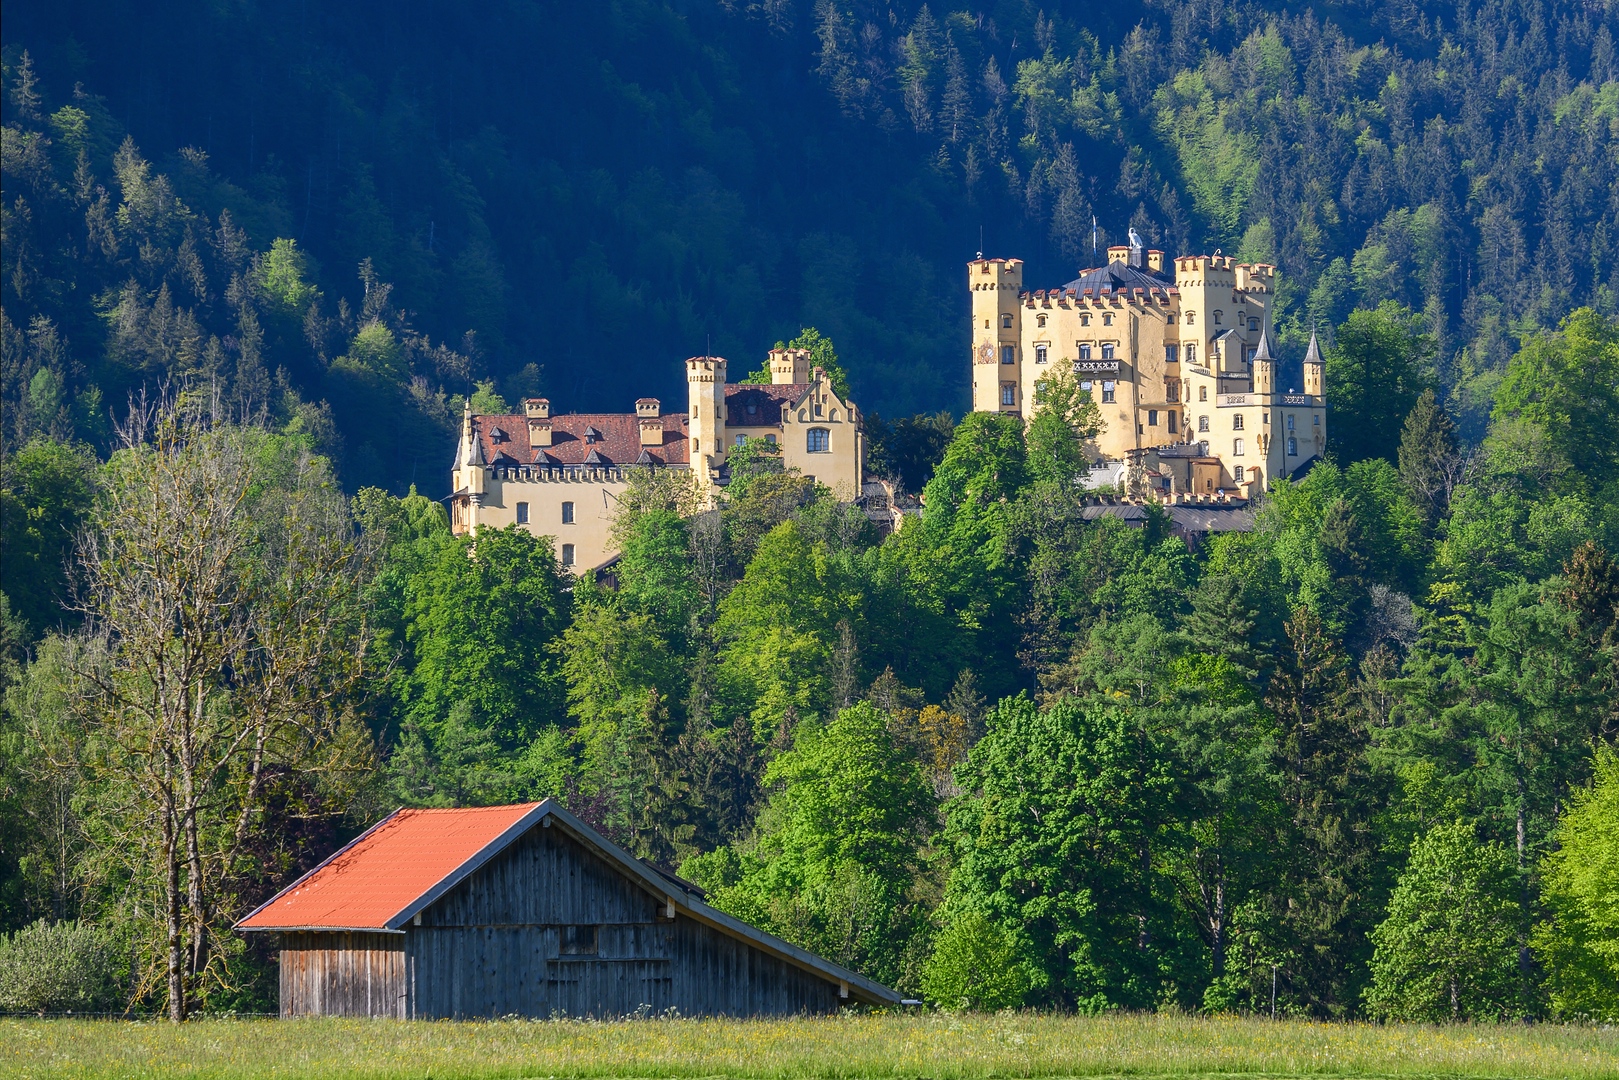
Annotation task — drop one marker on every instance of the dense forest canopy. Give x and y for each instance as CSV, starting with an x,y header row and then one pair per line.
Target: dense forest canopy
x,y
572,198
1358,761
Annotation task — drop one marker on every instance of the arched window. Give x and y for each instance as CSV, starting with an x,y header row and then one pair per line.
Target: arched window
x,y
1202,393
1039,354
1292,446
1202,423
1238,450
818,440
1006,321
1191,317
1238,471
1219,317
1039,320
1253,324
740,439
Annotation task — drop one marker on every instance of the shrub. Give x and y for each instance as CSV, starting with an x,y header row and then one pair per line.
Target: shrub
x,y
975,965
61,967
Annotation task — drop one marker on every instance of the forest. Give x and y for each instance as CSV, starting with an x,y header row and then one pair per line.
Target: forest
x,y
1358,762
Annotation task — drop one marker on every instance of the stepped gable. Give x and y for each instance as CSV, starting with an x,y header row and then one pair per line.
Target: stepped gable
x,y
766,401
581,440
1118,277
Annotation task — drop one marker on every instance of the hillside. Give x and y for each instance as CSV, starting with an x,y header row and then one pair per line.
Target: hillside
x,y
572,198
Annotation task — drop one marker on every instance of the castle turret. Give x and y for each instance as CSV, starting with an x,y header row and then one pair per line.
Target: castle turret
x,y
471,460
789,366
997,334
705,385
1264,367
1314,378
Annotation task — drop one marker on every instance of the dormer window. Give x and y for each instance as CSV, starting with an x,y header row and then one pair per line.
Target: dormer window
x,y
592,435
752,407
497,435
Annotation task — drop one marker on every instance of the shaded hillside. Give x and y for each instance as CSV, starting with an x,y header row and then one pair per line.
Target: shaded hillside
x,y
601,190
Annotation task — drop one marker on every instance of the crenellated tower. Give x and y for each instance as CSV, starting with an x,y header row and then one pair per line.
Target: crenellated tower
x,y
996,285
705,386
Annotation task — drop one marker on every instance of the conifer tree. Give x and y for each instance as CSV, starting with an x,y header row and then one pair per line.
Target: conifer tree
x,y
1430,462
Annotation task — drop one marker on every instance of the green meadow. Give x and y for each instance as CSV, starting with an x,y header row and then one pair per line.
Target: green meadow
x,y
936,1046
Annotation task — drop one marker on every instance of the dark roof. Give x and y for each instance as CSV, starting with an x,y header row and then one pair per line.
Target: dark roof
x,y
767,400
1183,518
617,441
407,861
1118,277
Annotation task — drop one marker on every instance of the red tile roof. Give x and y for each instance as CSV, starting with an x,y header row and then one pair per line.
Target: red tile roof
x,y
615,438
387,869
767,400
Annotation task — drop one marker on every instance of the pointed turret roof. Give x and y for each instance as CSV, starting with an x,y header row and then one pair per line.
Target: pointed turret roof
x,y
1313,356
1262,350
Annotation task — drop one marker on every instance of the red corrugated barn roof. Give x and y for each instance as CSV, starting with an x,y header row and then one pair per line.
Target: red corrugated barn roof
x,y
387,869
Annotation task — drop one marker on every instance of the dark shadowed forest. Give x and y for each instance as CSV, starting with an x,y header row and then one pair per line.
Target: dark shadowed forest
x,y
1357,762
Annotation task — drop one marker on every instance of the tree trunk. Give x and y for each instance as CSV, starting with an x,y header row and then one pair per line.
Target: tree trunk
x,y
176,980
1217,927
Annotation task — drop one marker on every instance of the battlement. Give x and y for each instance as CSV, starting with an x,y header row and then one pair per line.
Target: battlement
x,y
996,273
705,369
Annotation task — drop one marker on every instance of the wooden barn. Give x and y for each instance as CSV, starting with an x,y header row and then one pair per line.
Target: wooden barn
x,y
525,910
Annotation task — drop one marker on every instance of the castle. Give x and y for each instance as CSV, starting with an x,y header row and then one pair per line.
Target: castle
x,y
562,475
1178,361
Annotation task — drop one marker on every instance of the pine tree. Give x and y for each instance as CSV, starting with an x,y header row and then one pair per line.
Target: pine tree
x,y
1430,461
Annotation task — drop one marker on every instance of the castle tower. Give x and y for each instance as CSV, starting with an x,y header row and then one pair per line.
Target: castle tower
x,y
1314,378
705,386
997,334
789,366
1264,367
471,477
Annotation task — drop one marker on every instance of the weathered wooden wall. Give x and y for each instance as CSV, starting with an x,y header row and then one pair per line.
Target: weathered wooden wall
x,y
547,927
343,974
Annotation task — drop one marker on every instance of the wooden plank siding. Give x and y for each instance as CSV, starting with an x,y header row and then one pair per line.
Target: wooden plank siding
x,y
343,974
548,927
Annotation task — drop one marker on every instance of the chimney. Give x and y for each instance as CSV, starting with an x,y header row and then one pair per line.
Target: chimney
x,y
1155,260
646,414
1118,253
538,411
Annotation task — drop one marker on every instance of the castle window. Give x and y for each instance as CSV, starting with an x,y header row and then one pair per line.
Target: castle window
x,y
1191,317
740,439
1084,320
1107,391
1290,421
1170,318
1266,417
1219,316
1152,417
1253,324
567,554
1040,352
1172,390
1085,351
567,513
1008,393
771,439
1237,422
1292,447
1107,350
1039,320
1172,354
833,416
1006,322
986,324
1107,320
522,513
1008,355
1202,393
1252,351
1191,354
1238,450
1238,471
1316,420
1173,428
1202,423
818,441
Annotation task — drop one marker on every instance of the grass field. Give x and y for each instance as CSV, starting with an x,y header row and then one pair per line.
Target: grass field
x,y
933,1046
